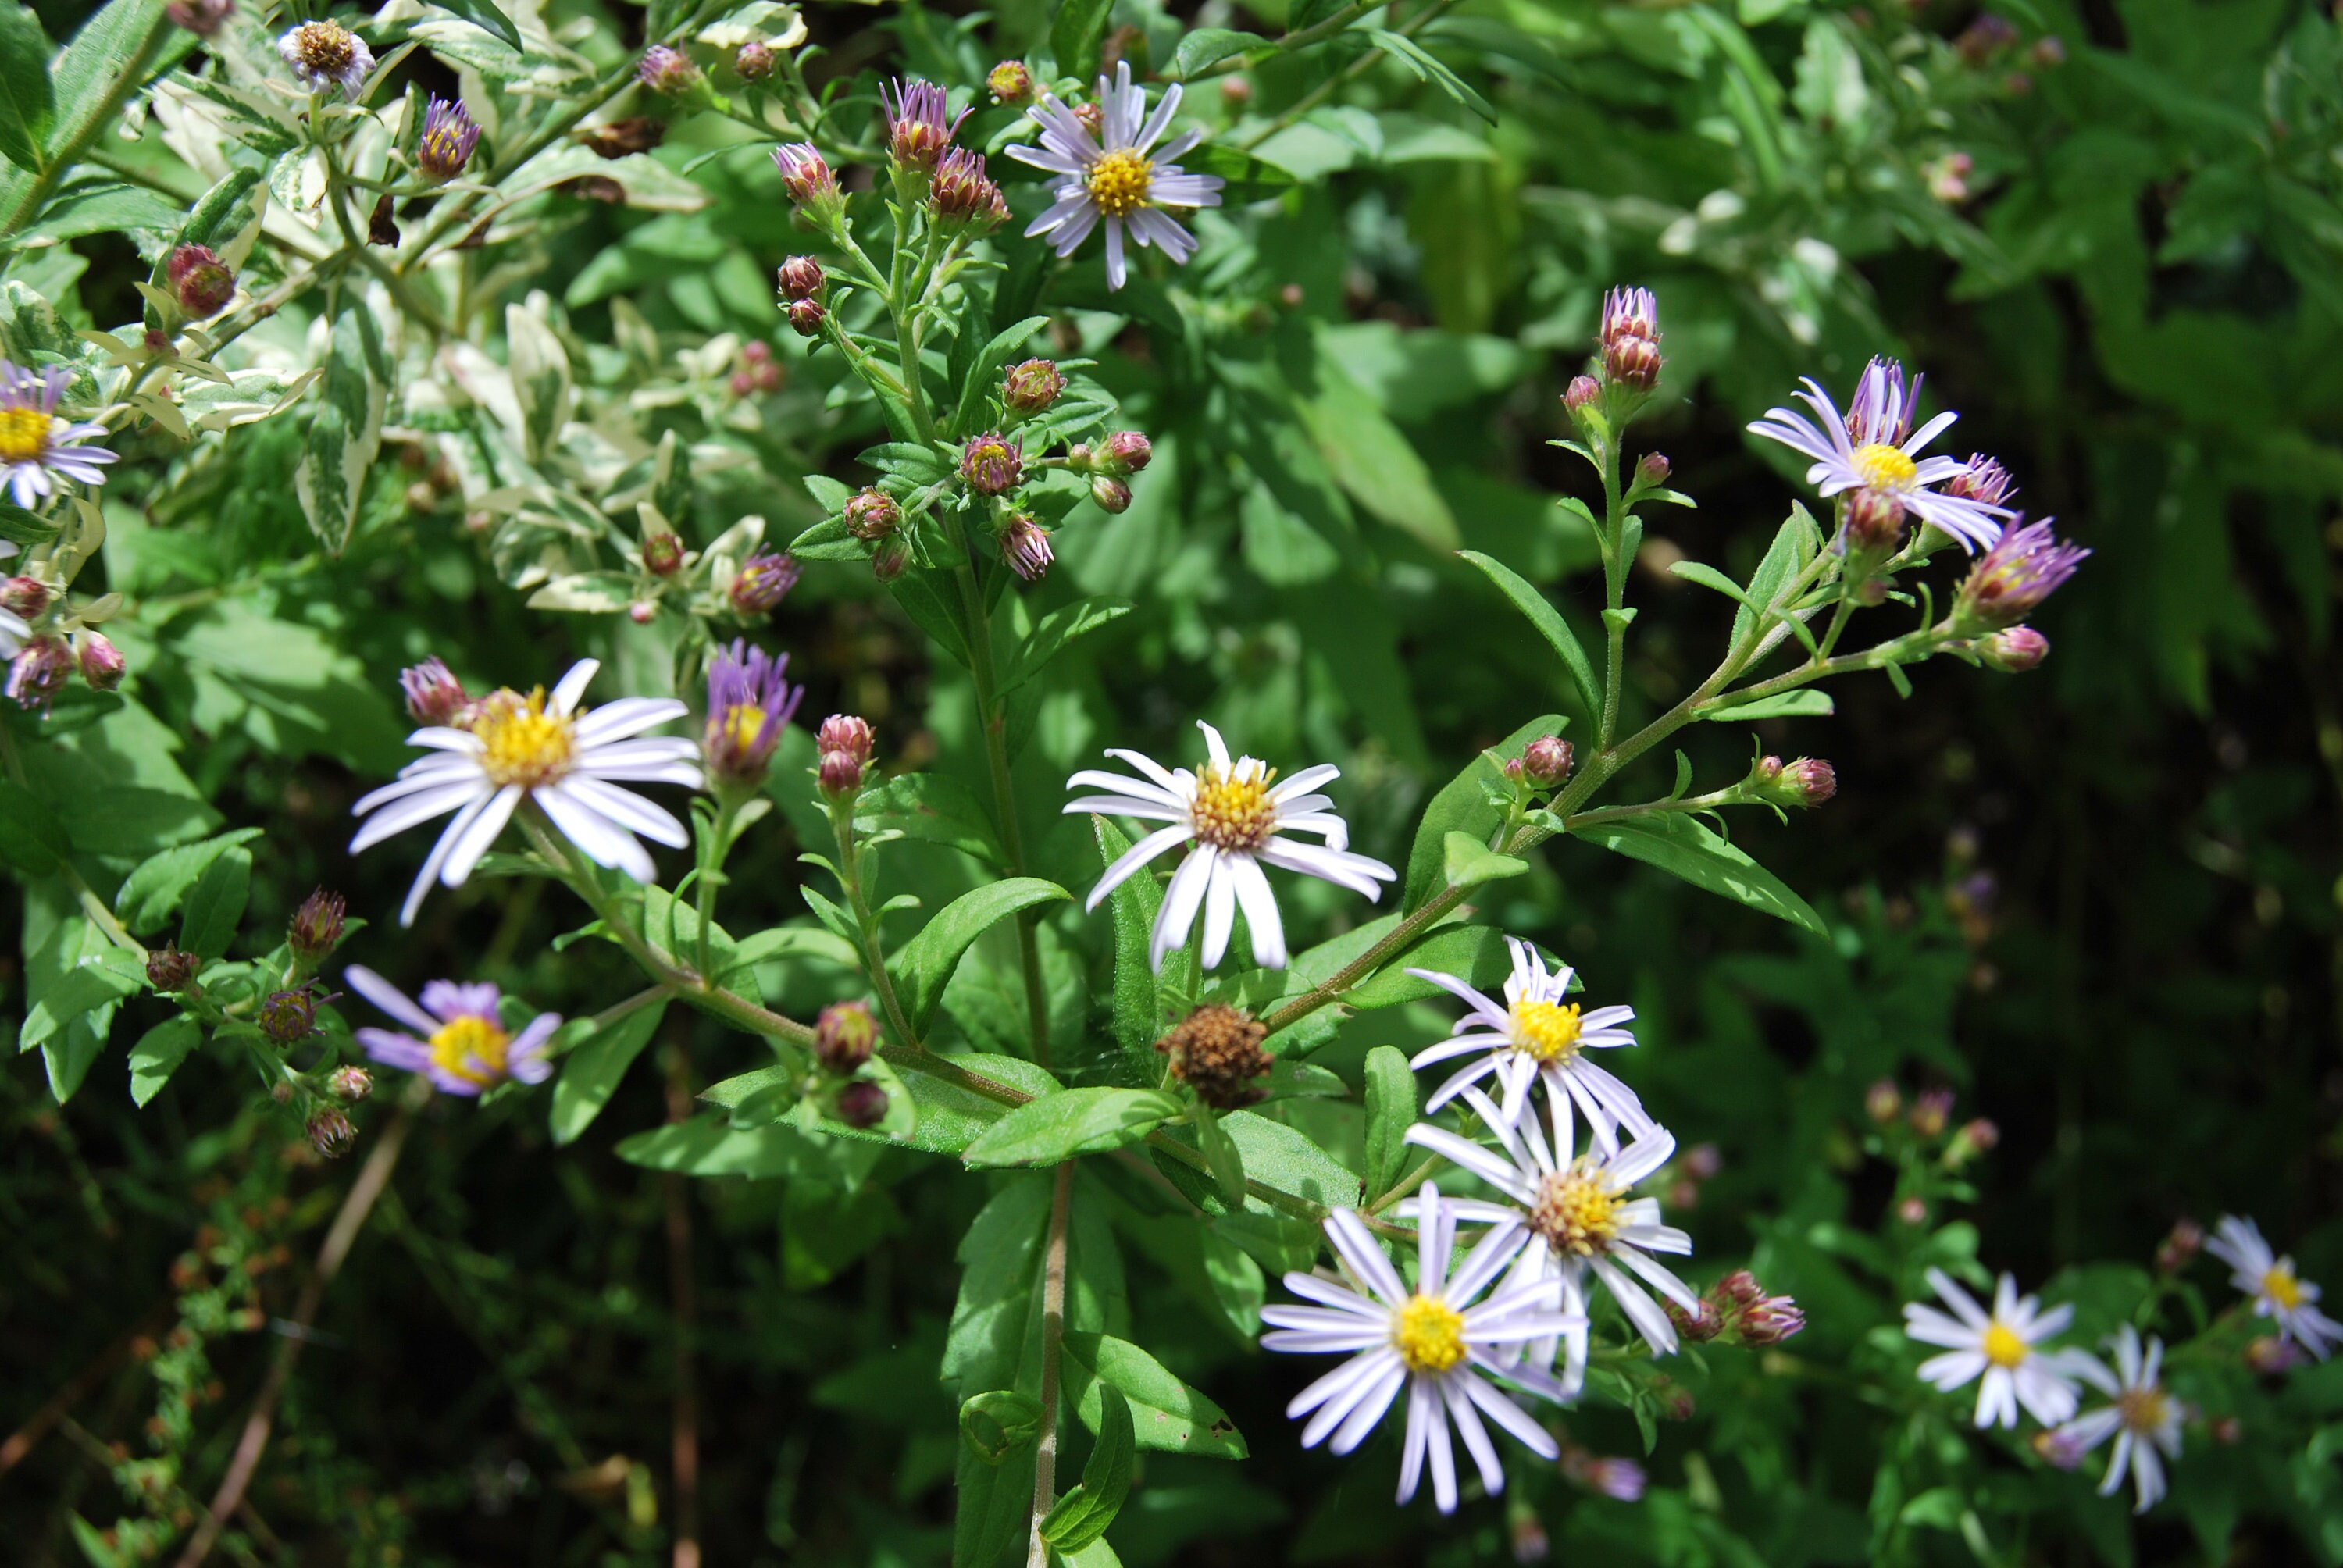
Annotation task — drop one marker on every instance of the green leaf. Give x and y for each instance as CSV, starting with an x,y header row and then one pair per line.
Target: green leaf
x,y
346,431
215,904
128,820
1071,1122
1249,178
483,14
1167,1415
1804,703
1222,1154
591,1071
925,965
32,840
1682,847
20,527
95,981
1275,1155
1138,1007
1795,544
1075,34
1428,68
1462,806
107,61
996,1423
158,1055
983,382
102,209
1083,1513
707,1146
1057,631
934,807
27,108
1201,48
1374,462
1469,862
152,892
1391,1111
1709,577
1549,621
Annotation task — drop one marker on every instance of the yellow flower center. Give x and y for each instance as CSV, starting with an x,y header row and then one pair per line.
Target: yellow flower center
x,y
741,727
1545,1029
1885,467
1232,809
2280,1286
1119,182
1576,1210
472,1049
325,47
521,742
2142,1408
23,435
1429,1335
2002,1345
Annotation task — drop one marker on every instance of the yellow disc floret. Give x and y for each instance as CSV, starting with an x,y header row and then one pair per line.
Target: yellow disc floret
x,y
23,435
1545,1029
1428,1335
1232,808
1576,1210
521,743
743,726
1119,183
1885,467
2143,1409
471,1048
2280,1286
2003,1346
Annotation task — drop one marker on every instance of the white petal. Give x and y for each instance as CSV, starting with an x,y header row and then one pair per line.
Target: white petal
x,y
1178,915
572,686
1131,859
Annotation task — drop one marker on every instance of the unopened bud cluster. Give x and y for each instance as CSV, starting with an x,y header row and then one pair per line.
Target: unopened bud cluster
x,y
846,744
1737,1310
57,645
844,1036
1808,781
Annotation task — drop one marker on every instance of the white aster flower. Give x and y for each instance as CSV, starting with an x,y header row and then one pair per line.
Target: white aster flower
x,y
542,747
37,445
2279,1293
326,54
1874,447
12,632
1536,1035
2001,1345
1120,174
2142,1420
1440,1341
1232,813
1578,1207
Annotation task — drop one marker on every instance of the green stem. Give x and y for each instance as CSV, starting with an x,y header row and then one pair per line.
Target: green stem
x,y
711,871
874,952
1614,592
1333,85
1053,1333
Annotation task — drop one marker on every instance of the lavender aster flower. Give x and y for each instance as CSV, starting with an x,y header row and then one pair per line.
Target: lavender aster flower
x,y
748,705
920,124
762,582
39,671
459,1041
37,445
448,139
2143,1419
2026,567
328,56
1874,447
1118,175
962,194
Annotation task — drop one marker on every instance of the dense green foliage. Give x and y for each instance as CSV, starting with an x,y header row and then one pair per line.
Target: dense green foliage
x,y
669,1302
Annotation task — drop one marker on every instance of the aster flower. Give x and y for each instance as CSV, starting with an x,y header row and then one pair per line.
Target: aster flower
x,y
2278,1291
37,445
808,179
1233,815
1440,1341
2143,1419
2001,1346
457,1038
1577,1206
12,633
920,124
665,70
1117,174
2010,582
1025,546
541,749
749,706
1874,447
448,139
40,669
1536,1035
963,194
328,56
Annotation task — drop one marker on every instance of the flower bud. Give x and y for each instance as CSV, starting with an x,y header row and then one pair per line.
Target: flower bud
x,y
1092,118
1631,339
2176,1250
846,744
642,612
1582,391
1912,1210
1216,1051
434,696
1982,480
2057,1447
1033,385
1771,1321
201,17
755,61
1808,781
447,140
1009,83
861,1105
2271,1355
809,181
1112,495
1125,452
801,277
964,196
890,559
1696,1325
2015,650
1874,524
350,1084
1882,1103
662,554
1932,1112
844,1035
1676,1404
664,70
101,662
39,671
991,464
2225,1429
1546,761
1652,469
919,125
318,924
200,281
24,597
761,583
330,1132
805,316
1702,1162
2011,580
289,1017
1025,545
170,969
872,513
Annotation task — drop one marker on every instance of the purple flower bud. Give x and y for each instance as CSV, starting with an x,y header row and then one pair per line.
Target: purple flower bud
x,y
330,1132
1009,83
201,17
1025,545
1702,1162
805,316
1882,1103
317,925
2013,650
1875,523
872,513
888,561
1652,468
662,554
1982,480
1984,38
749,707
2012,580
447,140
2273,1354
434,695
39,671
861,1105
169,969
1913,1212
844,1035
101,662
846,744
1112,495
1932,1112
350,1084
289,1017
964,196
761,583
801,277
991,464
2048,52
1546,761
2058,1448
1582,391
2176,1250
755,61
920,124
808,179
1808,781
1125,452
1631,339
665,70
200,281
1771,1321
1696,1325
24,597
1032,386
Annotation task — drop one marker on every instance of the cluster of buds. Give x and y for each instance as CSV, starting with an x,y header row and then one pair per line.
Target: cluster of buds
x,y
757,372
1110,465
846,744
761,583
447,140
804,288
1736,1310
1543,765
53,653
316,926
1216,1051
1808,781
200,281
963,197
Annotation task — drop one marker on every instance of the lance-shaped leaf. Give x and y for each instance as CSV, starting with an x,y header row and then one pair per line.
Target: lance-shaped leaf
x,y
1682,847
1391,1111
925,965
1166,1415
1132,907
1083,1514
1071,1122
541,378
596,1062
27,108
346,432
1526,598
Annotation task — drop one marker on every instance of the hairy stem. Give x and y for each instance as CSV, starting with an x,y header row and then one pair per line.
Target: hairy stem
x,y
1053,1334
